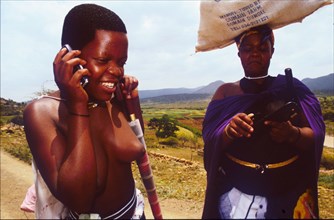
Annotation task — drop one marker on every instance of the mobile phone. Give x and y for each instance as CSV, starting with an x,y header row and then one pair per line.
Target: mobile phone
x,y
285,113
84,80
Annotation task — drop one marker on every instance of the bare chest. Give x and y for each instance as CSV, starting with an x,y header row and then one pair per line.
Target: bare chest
x,y
103,128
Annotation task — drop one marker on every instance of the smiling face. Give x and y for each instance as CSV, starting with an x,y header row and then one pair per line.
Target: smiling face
x,y
106,56
255,55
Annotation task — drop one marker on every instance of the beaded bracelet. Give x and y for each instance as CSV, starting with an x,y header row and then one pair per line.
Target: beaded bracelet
x,y
80,115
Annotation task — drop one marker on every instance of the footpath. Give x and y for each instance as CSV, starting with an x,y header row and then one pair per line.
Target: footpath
x,y
329,141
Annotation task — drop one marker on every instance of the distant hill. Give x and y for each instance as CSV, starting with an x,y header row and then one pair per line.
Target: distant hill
x,y
10,107
11,111
184,97
322,85
208,89
211,88
319,85
161,92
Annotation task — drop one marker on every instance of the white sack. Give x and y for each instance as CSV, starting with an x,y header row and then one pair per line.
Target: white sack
x,y
223,20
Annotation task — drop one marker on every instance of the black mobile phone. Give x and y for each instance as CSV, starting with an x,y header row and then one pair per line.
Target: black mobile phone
x,y
285,113
84,80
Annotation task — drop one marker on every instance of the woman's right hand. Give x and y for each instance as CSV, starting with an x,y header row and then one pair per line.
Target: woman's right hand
x,y
67,81
240,126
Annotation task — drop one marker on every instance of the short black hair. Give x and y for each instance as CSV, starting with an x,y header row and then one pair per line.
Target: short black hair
x,y
83,20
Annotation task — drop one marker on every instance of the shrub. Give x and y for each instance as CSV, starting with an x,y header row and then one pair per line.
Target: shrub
x,y
327,159
166,126
328,116
170,141
17,120
20,152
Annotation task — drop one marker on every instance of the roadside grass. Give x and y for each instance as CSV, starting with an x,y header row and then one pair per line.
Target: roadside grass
x,y
326,103
327,159
176,180
326,202
15,143
4,119
179,152
329,127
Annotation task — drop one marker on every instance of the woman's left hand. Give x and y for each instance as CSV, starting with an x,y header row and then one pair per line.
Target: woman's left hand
x,y
281,131
129,87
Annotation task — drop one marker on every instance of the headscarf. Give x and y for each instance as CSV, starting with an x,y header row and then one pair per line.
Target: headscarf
x,y
265,31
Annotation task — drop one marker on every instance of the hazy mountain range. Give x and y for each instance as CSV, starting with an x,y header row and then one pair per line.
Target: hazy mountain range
x,y
323,85
208,89
320,85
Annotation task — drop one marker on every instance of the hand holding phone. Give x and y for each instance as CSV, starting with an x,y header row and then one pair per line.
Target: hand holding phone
x,y
84,79
285,113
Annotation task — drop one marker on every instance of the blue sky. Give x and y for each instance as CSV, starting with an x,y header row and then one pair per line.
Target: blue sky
x,y
162,39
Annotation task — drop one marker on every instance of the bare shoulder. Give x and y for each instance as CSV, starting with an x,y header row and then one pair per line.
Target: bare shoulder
x,y
227,89
41,106
42,110
41,125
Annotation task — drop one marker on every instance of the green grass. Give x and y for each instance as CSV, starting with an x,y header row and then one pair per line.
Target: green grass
x,y
326,180
176,180
5,119
179,110
326,202
327,159
329,127
16,144
326,103
184,153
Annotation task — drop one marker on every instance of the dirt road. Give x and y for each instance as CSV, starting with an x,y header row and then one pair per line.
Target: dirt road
x,y
329,141
16,177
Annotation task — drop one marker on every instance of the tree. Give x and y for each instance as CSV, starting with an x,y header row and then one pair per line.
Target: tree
x,y
17,120
165,126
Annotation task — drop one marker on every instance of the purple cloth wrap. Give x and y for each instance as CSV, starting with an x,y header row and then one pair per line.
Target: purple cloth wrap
x,y
219,114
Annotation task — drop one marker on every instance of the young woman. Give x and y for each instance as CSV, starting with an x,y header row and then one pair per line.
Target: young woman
x,y
79,136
